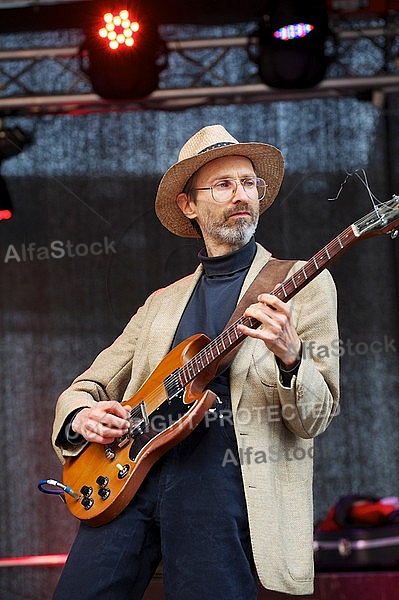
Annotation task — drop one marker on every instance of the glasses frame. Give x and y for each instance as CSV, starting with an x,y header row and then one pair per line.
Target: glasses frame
x,y
236,181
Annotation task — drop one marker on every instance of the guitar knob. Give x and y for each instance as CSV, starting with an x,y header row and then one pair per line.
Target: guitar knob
x,y
104,493
102,481
86,490
87,502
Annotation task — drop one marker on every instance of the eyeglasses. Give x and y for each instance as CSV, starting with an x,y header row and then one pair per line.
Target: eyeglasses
x,y
225,189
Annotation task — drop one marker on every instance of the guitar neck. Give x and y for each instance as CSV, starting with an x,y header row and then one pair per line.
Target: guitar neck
x,y
231,337
286,290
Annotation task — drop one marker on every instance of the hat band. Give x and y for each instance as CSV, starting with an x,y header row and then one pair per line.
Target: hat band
x,y
214,146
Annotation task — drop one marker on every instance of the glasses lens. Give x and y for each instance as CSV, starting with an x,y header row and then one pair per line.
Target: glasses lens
x,y
224,190
261,187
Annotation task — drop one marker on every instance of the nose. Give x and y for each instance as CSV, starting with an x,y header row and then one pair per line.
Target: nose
x,y
240,193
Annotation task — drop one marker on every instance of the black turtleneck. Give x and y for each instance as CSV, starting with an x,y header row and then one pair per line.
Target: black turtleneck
x,y
214,300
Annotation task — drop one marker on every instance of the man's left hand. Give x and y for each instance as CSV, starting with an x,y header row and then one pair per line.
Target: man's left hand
x,y
277,329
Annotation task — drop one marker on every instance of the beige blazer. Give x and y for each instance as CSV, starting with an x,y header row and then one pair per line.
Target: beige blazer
x,y
274,424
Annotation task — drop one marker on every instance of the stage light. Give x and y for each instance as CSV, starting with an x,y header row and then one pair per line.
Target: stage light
x,y
123,56
12,142
118,29
294,31
6,208
291,38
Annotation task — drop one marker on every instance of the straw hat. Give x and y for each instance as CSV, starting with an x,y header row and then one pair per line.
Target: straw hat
x,y
207,144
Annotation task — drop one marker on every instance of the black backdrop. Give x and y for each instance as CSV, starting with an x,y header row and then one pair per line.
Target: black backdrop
x,y
91,180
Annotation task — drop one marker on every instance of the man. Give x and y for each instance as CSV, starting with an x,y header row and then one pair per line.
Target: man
x,y
232,503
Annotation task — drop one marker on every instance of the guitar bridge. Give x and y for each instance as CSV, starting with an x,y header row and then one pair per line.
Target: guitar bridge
x,y
139,422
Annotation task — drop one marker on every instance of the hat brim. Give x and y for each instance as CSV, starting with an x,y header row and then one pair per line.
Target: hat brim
x,y
268,164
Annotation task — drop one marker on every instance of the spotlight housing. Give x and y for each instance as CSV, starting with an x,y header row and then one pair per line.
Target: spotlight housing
x,y
123,56
291,38
12,142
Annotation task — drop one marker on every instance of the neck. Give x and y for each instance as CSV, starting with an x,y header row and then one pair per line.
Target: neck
x,y
220,249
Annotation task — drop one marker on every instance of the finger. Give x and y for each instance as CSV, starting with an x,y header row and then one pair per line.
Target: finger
x,y
113,422
273,302
270,318
105,431
253,333
97,436
115,408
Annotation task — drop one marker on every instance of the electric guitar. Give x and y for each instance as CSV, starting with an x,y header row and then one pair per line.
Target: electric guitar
x,y
102,479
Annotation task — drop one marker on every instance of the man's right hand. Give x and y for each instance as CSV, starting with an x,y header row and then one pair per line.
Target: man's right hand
x,y
103,422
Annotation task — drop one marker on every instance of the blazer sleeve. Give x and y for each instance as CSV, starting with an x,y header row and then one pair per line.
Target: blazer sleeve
x,y
311,401
106,379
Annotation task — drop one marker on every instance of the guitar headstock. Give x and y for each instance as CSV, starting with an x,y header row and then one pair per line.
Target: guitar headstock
x,y
383,219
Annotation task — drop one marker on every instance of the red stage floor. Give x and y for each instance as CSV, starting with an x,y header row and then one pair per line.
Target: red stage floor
x,y
328,586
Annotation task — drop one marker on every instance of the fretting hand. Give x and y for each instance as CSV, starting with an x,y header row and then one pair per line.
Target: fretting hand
x,y
277,329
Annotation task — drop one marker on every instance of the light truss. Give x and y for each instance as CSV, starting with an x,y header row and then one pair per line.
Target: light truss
x,y
201,71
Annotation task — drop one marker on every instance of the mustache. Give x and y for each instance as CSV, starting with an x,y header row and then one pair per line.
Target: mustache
x,y
239,208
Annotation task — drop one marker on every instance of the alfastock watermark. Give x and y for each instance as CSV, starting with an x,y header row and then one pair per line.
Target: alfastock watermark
x,y
58,249
276,453
339,348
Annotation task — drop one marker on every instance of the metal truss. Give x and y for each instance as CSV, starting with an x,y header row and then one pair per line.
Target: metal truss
x,y
363,62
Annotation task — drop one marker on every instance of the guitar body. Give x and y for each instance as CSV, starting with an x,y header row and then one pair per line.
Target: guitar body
x,y
106,477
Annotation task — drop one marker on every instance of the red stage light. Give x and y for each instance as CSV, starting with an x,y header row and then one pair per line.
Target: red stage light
x,y
41,560
6,208
119,29
5,214
122,57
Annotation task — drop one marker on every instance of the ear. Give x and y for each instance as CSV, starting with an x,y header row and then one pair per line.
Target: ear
x,y
186,205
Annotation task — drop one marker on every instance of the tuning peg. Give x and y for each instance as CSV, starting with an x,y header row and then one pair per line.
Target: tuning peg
x,y
394,234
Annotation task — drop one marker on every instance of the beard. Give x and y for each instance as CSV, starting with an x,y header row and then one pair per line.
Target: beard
x,y
237,234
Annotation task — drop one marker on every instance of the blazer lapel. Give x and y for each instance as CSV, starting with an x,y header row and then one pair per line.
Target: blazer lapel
x,y
166,328
242,361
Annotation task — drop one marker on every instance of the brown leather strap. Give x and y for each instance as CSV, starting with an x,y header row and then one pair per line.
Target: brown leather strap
x,y
273,272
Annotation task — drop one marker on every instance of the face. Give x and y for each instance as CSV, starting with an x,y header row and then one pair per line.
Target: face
x,y
228,225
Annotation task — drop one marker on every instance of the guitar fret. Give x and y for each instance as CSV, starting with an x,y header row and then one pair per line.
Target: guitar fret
x,y
231,334
279,292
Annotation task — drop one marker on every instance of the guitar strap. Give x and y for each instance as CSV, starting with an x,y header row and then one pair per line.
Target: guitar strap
x,y
273,272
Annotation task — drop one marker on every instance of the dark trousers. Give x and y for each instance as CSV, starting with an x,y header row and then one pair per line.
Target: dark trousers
x,y
190,511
